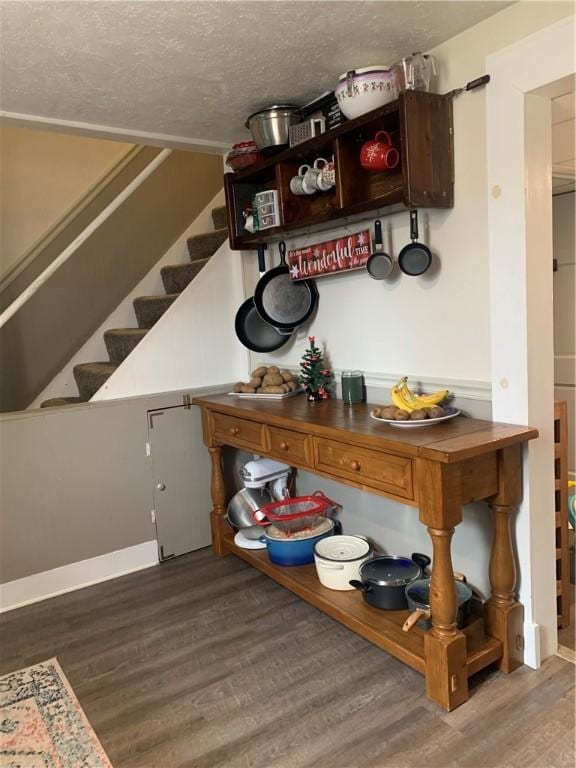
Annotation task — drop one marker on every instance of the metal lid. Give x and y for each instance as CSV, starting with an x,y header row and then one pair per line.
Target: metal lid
x,y
342,548
389,571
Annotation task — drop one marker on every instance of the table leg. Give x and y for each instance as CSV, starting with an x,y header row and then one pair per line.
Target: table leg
x,y
218,492
444,645
504,616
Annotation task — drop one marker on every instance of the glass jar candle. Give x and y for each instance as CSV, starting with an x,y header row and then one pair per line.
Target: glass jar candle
x,y
352,387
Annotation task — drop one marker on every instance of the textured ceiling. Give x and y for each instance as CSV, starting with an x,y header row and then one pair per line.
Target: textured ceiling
x,y
196,69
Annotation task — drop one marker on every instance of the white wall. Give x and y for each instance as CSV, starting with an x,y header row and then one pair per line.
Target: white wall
x,y
437,326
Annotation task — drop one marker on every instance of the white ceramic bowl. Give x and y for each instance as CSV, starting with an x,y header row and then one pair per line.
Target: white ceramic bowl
x,y
338,560
362,90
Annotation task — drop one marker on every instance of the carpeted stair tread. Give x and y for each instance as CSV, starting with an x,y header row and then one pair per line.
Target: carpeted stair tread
x,y
149,309
203,246
58,402
121,341
90,377
176,277
220,217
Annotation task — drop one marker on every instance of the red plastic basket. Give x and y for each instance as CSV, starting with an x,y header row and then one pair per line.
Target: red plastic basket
x,y
291,515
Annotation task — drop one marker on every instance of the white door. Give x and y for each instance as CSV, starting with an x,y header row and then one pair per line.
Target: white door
x,y
181,480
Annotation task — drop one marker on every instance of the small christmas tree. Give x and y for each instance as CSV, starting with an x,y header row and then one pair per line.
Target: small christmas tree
x,y
314,374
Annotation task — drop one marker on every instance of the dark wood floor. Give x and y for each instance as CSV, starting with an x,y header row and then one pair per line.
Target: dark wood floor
x,y
203,662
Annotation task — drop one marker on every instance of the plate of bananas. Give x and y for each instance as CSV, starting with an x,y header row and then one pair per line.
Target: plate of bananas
x,y
409,410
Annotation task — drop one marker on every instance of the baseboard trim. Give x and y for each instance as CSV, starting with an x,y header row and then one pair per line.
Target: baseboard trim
x,y
532,650
84,573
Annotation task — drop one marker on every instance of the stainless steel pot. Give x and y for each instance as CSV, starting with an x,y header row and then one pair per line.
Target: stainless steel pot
x,y
269,127
418,597
243,505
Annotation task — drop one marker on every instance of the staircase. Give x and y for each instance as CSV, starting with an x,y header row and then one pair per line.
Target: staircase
x,y
120,342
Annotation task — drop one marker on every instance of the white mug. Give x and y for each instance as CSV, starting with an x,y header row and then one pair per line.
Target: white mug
x,y
309,183
297,186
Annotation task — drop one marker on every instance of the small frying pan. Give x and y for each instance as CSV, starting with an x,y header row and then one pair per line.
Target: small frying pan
x,y
379,264
281,301
415,258
253,332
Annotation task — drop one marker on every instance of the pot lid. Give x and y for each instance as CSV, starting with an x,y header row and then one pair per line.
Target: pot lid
x,y
323,526
342,548
419,592
376,69
389,571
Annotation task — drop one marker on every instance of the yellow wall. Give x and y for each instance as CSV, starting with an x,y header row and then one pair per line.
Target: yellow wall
x,y
43,175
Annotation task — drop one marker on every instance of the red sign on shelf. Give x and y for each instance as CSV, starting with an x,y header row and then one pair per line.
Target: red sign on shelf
x,y
340,255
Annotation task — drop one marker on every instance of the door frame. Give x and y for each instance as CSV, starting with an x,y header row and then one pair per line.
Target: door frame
x,y
525,76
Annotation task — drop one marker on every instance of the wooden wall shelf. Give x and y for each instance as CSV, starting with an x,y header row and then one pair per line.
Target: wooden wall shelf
x,y
421,127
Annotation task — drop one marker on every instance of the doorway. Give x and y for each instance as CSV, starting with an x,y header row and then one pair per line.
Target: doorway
x,y
564,286
526,77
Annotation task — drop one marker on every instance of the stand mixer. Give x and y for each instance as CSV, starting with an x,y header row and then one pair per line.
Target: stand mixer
x,y
264,481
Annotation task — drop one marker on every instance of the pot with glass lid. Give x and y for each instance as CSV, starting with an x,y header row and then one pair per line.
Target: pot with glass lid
x,y
383,579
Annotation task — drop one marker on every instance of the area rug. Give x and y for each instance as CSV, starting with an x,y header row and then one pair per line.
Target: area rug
x,y
42,724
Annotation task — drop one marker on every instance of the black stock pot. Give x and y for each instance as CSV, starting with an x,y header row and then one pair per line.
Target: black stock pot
x,y
383,579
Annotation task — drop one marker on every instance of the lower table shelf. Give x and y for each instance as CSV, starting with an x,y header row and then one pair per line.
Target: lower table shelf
x,y
382,628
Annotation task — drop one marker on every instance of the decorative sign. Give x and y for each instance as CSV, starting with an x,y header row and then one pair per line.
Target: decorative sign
x,y
340,255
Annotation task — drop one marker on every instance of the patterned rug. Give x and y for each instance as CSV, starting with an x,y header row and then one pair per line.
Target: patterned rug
x,y
42,725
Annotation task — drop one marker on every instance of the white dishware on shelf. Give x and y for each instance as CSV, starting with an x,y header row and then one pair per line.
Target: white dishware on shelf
x,y
362,90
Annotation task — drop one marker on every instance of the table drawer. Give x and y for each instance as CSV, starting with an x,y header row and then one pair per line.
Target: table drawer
x,y
241,432
382,471
288,446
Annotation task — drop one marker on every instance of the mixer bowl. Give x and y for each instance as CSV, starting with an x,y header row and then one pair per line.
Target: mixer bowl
x,y
241,508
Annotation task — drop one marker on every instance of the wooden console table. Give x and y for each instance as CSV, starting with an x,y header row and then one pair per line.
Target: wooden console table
x,y
437,469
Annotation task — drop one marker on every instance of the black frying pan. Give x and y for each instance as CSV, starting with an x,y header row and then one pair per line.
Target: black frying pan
x,y
282,302
379,264
252,331
415,258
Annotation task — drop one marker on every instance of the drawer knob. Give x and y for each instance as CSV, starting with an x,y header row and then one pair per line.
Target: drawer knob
x,y
234,430
355,466
284,446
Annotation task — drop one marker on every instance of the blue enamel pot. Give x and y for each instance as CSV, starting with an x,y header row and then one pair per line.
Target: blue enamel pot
x,y
297,549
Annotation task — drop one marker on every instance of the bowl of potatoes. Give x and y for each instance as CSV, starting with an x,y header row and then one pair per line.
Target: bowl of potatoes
x,y
268,382
421,417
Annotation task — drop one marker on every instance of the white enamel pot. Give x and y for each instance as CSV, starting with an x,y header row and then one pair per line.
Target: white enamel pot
x,y
338,560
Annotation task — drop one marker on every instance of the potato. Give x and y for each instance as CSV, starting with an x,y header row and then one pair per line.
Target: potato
x,y
273,369
246,389
388,412
258,373
255,382
418,415
292,385
287,375
272,390
238,386
400,415
272,380
435,412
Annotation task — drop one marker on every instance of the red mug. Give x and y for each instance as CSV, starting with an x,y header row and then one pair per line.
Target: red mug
x,y
378,154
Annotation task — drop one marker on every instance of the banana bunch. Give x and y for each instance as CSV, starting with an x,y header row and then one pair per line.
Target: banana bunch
x,y
406,400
